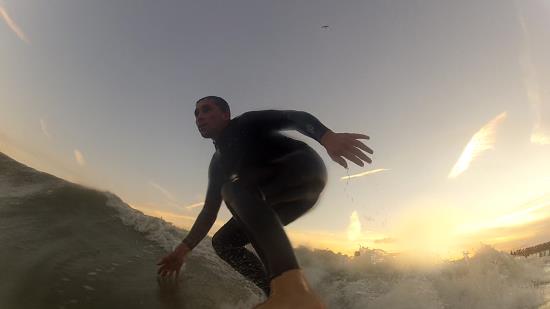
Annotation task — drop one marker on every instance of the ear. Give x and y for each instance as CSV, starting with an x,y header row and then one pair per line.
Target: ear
x,y
226,116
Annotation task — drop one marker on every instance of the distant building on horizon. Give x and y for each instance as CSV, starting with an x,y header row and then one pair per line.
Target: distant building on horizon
x,y
541,249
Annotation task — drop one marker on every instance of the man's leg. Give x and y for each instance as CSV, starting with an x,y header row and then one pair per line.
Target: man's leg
x,y
260,222
292,189
262,226
287,189
229,242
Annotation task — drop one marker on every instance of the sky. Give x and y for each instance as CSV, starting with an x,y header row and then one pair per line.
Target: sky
x,y
454,96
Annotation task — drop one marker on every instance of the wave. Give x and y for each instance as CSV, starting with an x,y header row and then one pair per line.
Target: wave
x,y
66,246
489,279
63,245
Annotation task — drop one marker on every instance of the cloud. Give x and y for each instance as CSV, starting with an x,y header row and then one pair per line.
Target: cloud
x,y
540,133
364,173
44,127
169,196
166,193
354,227
79,157
535,210
483,140
194,205
12,25
524,226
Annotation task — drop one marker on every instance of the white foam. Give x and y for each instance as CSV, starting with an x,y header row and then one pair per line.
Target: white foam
x,y
246,303
490,279
163,233
169,236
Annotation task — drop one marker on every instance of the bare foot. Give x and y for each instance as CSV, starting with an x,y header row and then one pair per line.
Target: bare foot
x,y
291,290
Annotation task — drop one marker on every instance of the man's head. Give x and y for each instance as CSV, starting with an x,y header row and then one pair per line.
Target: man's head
x,y
212,115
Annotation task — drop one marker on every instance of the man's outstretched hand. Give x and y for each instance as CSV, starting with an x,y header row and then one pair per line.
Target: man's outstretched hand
x,y
346,145
172,262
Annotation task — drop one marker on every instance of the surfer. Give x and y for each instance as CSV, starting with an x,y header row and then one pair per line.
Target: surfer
x,y
267,180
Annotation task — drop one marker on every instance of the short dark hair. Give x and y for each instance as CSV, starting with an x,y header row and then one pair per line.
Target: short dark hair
x,y
221,103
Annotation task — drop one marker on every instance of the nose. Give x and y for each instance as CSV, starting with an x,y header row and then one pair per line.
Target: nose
x,y
200,122
199,118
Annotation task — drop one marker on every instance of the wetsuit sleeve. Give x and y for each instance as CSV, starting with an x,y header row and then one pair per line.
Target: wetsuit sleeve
x,y
209,212
300,121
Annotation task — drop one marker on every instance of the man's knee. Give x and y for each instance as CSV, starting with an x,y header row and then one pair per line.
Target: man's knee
x,y
218,244
216,241
317,175
315,188
321,182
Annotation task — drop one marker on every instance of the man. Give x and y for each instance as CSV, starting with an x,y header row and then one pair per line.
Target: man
x,y
267,180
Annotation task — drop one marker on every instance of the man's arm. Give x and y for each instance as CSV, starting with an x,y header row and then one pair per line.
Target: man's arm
x,y
338,145
209,212
300,121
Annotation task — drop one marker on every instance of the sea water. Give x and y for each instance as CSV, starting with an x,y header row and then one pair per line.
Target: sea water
x,y
66,246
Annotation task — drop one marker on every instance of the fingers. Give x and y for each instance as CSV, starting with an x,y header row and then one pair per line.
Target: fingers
x,y
352,157
339,160
165,268
165,272
162,261
352,137
355,148
169,267
348,154
161,270
359,144
347,145
358,153
357,135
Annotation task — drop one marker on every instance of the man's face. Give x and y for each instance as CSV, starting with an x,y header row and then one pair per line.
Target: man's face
x,y
210,119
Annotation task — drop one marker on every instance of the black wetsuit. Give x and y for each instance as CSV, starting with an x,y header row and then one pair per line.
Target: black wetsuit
x,y
267,180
